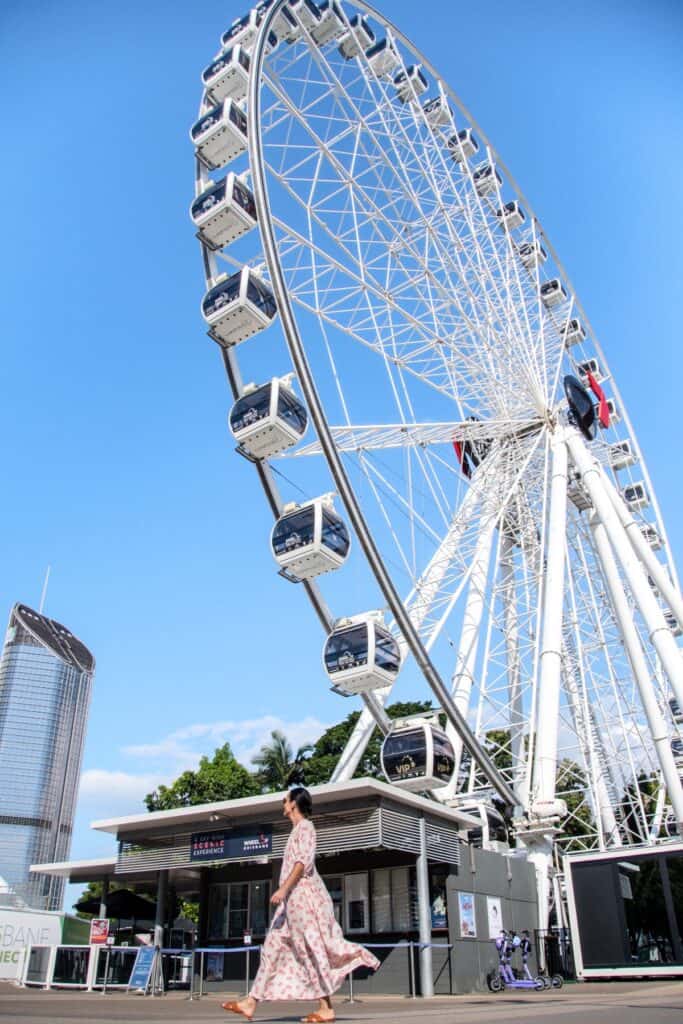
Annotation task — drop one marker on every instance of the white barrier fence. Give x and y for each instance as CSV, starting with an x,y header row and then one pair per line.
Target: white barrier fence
x,y
96,967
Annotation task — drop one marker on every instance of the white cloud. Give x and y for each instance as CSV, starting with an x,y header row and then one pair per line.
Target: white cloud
x,y
98,784
178,750
107,793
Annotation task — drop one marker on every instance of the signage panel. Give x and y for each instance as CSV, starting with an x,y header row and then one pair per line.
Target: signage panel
x,y
99,931
233,843
20,929
142,968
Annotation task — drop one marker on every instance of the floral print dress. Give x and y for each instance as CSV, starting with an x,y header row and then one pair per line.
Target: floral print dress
x,y
305,954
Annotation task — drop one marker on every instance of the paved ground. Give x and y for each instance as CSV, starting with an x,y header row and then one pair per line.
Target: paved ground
x,y
659,1002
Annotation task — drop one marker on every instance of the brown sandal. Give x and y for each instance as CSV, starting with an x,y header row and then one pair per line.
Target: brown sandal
x,y
236,1008
315,1018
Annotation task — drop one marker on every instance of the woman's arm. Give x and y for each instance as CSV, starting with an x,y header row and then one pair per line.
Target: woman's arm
x,y
284,890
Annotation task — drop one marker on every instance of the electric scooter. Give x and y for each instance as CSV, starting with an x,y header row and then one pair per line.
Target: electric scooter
x,y
505,977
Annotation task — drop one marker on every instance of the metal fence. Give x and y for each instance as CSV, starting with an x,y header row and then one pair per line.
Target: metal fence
x,y
110,967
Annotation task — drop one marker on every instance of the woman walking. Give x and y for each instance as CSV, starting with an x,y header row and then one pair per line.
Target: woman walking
x,y
305,954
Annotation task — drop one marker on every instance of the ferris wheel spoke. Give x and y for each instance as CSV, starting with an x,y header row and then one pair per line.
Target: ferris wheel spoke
x,y
377,213
359,437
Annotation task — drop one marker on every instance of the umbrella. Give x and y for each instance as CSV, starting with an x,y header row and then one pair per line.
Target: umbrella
x,y
121,903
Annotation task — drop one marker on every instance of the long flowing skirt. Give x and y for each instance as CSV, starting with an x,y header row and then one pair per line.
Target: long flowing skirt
x,y
305,954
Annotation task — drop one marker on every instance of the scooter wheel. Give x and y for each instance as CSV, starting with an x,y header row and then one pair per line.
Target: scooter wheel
x,y
539,984
557,981
495,983
547,982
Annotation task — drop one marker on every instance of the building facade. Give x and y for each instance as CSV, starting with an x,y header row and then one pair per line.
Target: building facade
x,y
46,678
402,876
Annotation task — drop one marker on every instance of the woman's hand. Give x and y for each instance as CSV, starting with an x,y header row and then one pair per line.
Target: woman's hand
x,y
279,895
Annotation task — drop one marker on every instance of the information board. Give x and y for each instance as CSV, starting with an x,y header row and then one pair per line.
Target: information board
x,y
228,845
142,968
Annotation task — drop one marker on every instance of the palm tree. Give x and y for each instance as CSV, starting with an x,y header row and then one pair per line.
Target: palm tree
x,y
277,766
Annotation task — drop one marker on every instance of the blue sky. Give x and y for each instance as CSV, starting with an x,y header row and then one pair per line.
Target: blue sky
x,y
118,468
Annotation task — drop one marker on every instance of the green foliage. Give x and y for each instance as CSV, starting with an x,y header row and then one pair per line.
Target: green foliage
x,y
221,777
571,784
93,891
645,791
278,767
189,909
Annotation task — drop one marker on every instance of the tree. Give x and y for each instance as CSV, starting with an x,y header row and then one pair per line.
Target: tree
x,y
278,767
572,786
221,777
645,790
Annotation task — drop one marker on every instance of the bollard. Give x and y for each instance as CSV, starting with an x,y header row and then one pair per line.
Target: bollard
x,y
106,971
246,980
411,965
201,974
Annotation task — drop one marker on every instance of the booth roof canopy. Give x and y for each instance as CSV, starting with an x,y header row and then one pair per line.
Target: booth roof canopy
x,y
201,815
79,870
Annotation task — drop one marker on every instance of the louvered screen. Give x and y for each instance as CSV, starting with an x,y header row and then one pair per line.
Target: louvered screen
x,y
364,828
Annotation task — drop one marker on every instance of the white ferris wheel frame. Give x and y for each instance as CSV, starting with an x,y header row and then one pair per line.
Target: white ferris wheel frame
x,y
612,529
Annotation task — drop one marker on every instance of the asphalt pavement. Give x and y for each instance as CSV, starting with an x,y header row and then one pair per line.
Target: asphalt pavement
x,y
646,1002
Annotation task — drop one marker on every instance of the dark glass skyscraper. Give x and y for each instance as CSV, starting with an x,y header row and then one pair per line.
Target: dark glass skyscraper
x,y
45,683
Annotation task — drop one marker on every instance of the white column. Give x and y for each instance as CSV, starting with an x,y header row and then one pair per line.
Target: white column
x,y
463,677
511,631
104,897
162,892
424,914
548,709
641,672
661,636
654,567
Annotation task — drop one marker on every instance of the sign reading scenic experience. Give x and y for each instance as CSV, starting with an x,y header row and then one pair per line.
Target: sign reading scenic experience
x,y
238,842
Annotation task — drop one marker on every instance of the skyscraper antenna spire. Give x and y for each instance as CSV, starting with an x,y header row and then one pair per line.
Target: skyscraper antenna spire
x,y
44,593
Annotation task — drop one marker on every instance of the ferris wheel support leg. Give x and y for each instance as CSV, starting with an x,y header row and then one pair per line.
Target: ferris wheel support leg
x,y
548,709
511,629
654,567
660,635
539,846
641,672
461,687
658,816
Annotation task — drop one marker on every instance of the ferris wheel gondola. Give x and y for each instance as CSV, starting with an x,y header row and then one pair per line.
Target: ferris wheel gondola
x,y
357,39
418,756
223,212
268,419
220,134
238,306
310,539
227,77
361,654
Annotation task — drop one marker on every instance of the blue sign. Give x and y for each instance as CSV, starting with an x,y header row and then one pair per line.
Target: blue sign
x,y
142,968
238,842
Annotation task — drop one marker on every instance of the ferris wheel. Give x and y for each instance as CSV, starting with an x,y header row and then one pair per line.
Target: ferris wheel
x,y
452,472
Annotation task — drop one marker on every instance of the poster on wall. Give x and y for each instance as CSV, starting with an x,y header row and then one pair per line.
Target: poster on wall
x,y
468,925
214,966
495,916
99,931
